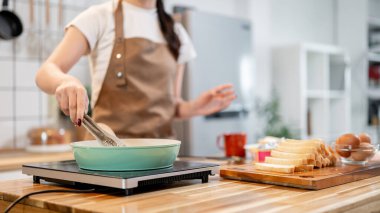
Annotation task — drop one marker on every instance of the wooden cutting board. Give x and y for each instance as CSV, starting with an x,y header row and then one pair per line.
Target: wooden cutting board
x,y
317,179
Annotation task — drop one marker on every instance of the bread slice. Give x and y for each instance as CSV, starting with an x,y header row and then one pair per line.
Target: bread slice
x,y
309,161
312,142
318,164
333,156
282,161
304,168
288,169
286,155
318,147
326,162
298,156
296,149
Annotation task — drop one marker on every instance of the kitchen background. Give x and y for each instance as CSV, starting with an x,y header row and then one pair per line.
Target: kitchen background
x,y
319,55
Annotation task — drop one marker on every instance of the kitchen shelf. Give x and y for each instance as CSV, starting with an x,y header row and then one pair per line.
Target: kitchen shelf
x,y
328,94
356,34
337,94
317,94
318,79
374,57
373,93
373,23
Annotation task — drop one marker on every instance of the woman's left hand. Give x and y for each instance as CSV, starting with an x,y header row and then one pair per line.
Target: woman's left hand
x,y
213,100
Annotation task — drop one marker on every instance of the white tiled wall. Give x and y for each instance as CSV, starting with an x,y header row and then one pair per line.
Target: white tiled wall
x,y
23,106
25,72
7,105
22,128
6,70
5,49
7,133
27,104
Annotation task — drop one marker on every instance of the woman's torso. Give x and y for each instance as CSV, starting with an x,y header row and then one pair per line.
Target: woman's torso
x,y
141,102
98,26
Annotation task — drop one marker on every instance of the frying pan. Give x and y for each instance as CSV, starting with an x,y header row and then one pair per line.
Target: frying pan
x,y
10,23
140,154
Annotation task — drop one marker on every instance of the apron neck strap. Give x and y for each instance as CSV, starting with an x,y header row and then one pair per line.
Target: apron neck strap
x,y
119,26
119,48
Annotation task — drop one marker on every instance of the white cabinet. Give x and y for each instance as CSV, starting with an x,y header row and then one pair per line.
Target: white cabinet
x,y
373,82
313,84
358,27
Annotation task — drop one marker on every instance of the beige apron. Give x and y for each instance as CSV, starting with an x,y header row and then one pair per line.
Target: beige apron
x,y
137,96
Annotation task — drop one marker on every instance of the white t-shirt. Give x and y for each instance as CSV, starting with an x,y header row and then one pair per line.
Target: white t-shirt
x,y
98,26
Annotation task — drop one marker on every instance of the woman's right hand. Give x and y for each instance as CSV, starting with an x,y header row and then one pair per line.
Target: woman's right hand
x,y
72,99
52,76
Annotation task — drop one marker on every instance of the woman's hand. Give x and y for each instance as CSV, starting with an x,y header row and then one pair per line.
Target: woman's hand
x,y
209,102
73,100
214,100
52,76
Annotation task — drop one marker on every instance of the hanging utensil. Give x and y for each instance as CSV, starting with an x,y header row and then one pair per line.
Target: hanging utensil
x,y
31,12
32,38
47,13
60,27
49,43
10,23
60,14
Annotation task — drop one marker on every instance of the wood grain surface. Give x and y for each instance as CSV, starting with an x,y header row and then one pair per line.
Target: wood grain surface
x,y
14,159
219,195
317,179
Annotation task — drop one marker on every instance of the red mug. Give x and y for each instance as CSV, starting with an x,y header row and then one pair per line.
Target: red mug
x,y
233,144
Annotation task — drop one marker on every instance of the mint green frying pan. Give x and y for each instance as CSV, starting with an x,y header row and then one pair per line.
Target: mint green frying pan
x,y
139,154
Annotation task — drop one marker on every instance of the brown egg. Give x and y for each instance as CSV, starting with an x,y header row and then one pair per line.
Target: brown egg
x,y
344,154
365,146
346,141
364,138
365,150
349,139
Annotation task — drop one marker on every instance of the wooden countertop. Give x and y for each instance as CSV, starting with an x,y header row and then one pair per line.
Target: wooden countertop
x,y
14,159
219,195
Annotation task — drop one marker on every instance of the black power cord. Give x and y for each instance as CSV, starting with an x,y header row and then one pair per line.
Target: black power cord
x,y
45,191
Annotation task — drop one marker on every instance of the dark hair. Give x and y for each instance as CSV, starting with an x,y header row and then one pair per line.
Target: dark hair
x,y
167,28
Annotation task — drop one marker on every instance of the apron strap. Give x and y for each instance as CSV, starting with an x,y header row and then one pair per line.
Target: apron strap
x,y
119,27
119,48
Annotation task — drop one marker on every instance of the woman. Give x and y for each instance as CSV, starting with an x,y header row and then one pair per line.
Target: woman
x,y
136,54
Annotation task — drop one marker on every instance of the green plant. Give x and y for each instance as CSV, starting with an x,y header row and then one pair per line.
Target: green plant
x,y
269,112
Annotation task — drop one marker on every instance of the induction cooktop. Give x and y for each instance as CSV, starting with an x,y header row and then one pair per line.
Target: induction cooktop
x,y
68,172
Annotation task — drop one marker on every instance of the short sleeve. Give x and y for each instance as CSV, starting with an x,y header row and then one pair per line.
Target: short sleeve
x,y
90,22
187,51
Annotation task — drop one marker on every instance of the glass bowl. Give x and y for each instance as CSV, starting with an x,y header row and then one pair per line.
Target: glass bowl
x,y
357,156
